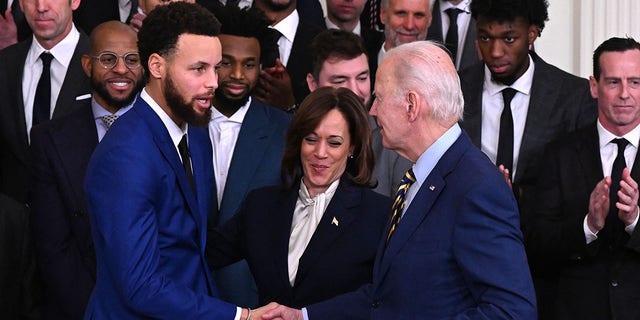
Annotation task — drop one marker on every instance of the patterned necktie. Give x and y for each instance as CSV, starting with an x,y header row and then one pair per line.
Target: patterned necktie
x,y
373,14
451,41
42,100
505,141
109,120
398,204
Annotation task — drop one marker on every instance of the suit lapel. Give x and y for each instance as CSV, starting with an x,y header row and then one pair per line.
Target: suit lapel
x,y
335,221
283,218
75,82
18,125
247,156
473,80
434,32
587,148
469,52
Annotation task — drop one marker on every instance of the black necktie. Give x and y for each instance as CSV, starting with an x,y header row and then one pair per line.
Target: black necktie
x,y
505,139
183,147
3,6
271,50
616,175
42,101
451,41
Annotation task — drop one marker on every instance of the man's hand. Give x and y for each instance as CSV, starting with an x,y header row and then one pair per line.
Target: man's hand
x,y
282,312
8,30
256,314
506,174
599,205
136,21
274,87
627,198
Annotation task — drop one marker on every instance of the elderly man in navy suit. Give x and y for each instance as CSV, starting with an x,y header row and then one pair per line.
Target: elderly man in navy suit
x,y
453,247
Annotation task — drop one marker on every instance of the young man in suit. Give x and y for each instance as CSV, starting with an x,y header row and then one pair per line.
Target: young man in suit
x,y
60,151
282,82
148,184
248,137
585,237
453,248
546,101
340,60
458,35
63,86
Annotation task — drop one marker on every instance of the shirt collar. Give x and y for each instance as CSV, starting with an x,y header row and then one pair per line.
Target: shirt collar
x,y
99,111
175,131
463,5
430,157
330,25
62,52
288,25
605,136
522,84
305,198
237,117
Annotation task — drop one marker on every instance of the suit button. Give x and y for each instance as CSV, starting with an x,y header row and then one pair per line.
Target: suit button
x,y
614,283
375,304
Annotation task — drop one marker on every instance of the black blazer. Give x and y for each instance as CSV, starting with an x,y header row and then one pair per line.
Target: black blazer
x,y
560,103
299,63
595,281
91,13
14,158
469,52
338,259
19,288
60,151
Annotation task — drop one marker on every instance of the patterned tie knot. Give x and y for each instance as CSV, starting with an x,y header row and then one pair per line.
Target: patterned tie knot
x,y
109,120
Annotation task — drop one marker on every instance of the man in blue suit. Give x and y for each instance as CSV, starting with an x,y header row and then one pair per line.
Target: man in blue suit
x,y
454,249
247,136
148,184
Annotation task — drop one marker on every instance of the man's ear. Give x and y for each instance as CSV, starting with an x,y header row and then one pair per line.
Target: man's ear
x,y
311,83
157,66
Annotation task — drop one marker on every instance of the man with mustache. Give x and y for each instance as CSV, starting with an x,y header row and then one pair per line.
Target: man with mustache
x,y
248,137
60,151
148,183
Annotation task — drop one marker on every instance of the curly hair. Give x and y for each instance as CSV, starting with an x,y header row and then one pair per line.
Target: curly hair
x,y
533,11
164,25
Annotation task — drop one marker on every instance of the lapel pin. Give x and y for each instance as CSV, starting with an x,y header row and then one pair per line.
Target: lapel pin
x,y
432,187
334,221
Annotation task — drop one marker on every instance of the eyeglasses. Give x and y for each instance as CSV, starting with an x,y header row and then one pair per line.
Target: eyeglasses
x,y
109,60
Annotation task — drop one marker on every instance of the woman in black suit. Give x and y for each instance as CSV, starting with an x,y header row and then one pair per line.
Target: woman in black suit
x,y
316,235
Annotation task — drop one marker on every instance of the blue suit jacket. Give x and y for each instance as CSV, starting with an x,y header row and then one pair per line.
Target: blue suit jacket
x,y
149,227
338,259
456,254
255,163
60,152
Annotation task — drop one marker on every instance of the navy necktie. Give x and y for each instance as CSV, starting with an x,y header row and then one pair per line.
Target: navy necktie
x,y
42,101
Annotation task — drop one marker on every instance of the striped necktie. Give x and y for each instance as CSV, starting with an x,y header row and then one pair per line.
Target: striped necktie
x,y
398,204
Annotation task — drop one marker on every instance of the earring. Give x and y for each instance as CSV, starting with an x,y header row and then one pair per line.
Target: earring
x,y
350,156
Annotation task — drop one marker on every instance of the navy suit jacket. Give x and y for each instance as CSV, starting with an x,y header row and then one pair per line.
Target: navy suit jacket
x,y
148,225
469,51
559,103
456,254
338,259
595,281
255,163
60,152
14,143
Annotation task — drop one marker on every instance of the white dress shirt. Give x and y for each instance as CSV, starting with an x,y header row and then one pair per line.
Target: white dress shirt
x,y
32,70
224,133
124,8
608,154
463,23
287,28
492,105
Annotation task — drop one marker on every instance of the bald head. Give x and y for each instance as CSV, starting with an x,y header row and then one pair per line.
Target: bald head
x,y
110,31
425,67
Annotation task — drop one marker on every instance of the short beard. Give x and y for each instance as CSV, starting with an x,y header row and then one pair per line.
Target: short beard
x,y
181,108
100,89
222,103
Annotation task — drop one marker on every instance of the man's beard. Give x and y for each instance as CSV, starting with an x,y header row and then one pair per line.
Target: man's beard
x,y
181,108
223,102
100,89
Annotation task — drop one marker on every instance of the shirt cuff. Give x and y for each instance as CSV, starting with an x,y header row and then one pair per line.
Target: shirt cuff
x,y
305,315
238,313
630,228
588,235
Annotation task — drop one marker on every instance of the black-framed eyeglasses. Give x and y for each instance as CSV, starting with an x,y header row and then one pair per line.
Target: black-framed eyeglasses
x,y
109,60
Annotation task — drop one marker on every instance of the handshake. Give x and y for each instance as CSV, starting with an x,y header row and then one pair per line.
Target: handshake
x,y
273,311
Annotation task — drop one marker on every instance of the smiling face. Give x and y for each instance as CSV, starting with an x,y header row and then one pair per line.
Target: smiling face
x,y
238,72
405,21
116,87
352,74
325,151
50,20
190,79
505,47
618,91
